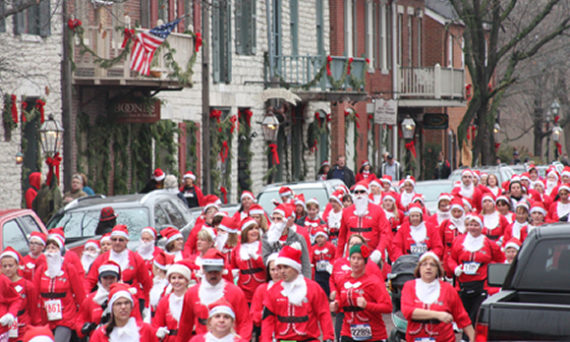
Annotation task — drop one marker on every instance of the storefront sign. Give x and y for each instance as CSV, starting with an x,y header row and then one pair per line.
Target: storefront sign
x,y
385,112
435,121
130,111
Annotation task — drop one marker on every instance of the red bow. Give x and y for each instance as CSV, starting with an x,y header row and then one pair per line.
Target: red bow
x,y
556,118
350,60
346,113
24,106
224,194
314,148
73,23
224,151
198,42
53,163
497,145
274,153
411,146
318,117
329,117
216,114
468,91
14,108
559,148
233,120
248,114
329,60
129,33
40,106
367,61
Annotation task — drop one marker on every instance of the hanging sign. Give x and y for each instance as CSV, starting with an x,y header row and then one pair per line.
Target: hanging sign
x,y
385,112
129,111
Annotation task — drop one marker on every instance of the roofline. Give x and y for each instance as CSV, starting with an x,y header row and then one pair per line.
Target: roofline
x,y
441,19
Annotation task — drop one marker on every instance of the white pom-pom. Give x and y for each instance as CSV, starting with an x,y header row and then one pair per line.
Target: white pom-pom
x,y
376,256
296,245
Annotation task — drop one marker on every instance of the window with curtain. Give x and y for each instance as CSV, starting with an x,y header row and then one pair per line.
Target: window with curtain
x,y
294,26
35,20
221,41
245,26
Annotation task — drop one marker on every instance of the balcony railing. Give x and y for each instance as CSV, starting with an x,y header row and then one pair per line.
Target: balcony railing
x,y
106,43
431,82
300,71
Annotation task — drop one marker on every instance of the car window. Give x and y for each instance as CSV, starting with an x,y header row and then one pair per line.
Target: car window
x,y
265,199
431,192
72,223
29,225
135,219
12,236
176,217
160,216
549,266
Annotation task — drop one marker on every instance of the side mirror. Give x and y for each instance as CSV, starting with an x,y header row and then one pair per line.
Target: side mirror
x,y
496,274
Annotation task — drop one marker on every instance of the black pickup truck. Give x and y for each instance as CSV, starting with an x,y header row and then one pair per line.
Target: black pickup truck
x,y
534,303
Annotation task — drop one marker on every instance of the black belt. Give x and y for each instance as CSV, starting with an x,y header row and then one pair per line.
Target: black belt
x,y
173,332
361,230
292,319
130,282
203,321
351,308
305,340
494,237
426,321
52,295
251,270
21,312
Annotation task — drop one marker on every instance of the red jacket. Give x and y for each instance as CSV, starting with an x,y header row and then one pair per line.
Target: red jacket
x,y
29,265
365,176
63,293
333,227
256,308
404,244
554,213
147,334
394,220
10,301
373,226
291,322
475,197
341,269
495,233
448,301
252,272
196,313
370,318
202,338
28,310
89,312
509,233
322,256
163,318
135,275
448,232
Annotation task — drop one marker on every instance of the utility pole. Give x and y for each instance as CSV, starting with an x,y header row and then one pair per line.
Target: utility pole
x,y
66,102
206,181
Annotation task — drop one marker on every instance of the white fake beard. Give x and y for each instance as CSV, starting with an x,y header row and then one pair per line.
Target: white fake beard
x,y
275,231
87,259
146,249
54,262
360,205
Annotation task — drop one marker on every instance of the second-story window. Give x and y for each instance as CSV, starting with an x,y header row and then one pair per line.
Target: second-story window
x,y
419,42
400,42
410,38
370,33
221,41
245,27
34,20
320,27
2,21
294,25
450,51
348,26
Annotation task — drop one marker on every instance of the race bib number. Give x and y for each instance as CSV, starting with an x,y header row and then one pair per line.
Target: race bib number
x,y
418,248
53,310
470,268
13,332
424,339
361,332
323,266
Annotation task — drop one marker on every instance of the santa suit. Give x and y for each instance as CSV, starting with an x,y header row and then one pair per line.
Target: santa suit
x,y
373,226
168,315
143,332
208,337
195,312
474,196
149,259
190,245
61,296
311,225
510,216
448,232
296,322
556,211
28,310
394,220
365,175
536,196
447,301
91,310
494,225
439,217
333,220
406,243
29,265
364,323
252,272
341,269
322,259
516,230
256,308
10,301
135,274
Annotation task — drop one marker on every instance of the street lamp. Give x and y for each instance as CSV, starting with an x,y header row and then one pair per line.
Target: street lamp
x,y
270,127
408,128
555,108
556,131
496,128
51,136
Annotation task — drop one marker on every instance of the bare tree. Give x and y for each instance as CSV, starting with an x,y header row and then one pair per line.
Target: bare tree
x,y
493,36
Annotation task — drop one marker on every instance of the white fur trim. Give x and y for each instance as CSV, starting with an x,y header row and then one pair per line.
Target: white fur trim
x,y
284,194
256,212
148,230
120,233
174,237
564,186
57,238
513,245
109,267
222,309
247,224
360,187
191,176
42,338
288,262
415,210
247,194
312,200
37,238
162,267
538,209
120,294
10,254
429,254
474,218
159,178
376,256
212,262
180,269
279,211
92,244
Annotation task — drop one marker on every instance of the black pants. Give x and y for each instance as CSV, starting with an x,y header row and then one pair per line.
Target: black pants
x,y
338,325
471,302
348,339
322,278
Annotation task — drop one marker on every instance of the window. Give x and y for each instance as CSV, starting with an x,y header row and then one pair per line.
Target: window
x,y
410,39
419,43
277,34
400,23
189,13
164,8
354,28
462,53
34,20
370,33
450,51
348,46
294,25
12,236
320,25
245,26
160,216
221,41
176,217
383,29
29,225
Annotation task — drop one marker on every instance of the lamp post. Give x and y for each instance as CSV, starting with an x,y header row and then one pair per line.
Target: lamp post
x,y
270,127
556,131
51,137
548,120
408,129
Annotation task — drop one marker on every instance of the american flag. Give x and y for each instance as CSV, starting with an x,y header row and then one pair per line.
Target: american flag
x,y
146,44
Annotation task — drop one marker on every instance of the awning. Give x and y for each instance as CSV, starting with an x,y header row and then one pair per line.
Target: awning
x,y
280,93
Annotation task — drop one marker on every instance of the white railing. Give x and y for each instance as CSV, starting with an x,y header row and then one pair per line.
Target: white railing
x,y
431,82
106,43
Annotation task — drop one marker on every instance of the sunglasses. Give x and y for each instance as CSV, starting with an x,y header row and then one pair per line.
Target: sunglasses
x,y
359,192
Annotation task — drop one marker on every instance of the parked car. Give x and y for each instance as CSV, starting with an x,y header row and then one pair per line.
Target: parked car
x,y
534,302
502,172
16,226
321,190
431,190
158,209
520,168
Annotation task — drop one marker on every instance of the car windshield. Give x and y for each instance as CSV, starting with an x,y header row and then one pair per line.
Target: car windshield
x,y
548,267
503,173
431,191
78,224
266,197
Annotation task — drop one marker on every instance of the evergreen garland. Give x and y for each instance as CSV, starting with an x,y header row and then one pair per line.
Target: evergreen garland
x,y
191,155
220,171
244,138
7,120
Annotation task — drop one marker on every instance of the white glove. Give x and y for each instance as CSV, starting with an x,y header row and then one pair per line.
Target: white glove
x,y
458,270
7,320
376,256
146,313
161,332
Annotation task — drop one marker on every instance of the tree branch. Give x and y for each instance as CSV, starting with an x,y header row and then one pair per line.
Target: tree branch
x,y
532,51
18,7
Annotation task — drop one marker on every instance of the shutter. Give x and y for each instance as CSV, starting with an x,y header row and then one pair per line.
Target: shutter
x,y
253,31
240,26
215,24
2,21
20,22
294,15
44,18
320,24
227,35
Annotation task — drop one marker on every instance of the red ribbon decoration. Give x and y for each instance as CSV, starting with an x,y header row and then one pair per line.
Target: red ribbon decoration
x,y
216,114
129,33
559,148
314,148
329,117
73,23
329,60
346,113
14,108
411,146
24,106
497,145
53,163
40,106
473,131
468,92
318,117
198,42
274,153
224,194
224,151
556,118
350,60
367,61
248,114
233,120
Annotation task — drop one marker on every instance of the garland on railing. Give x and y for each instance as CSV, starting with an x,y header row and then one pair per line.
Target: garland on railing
x,y
220,152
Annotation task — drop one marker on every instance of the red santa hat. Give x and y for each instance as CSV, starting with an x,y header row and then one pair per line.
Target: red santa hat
x,y
107,214
285,191
418,198
106,237
247,194
321,231
285,210
444,196
410,179
564,186
466,172
342,187
57,235
221,214
467,203
513,243
477,174
390,195
247,222
538,183
189,174
565,171
270,258
364,163
213,260
120,230
325,163
552,170
256,209
12,253
182,267
337,196
38,334
92,243
109,268
537,207
161,260
300,200
211,201
386,179
457,203
170,234
522,204
361,186
290,256
504,199
228,225
488,196
118,291
474,217
415,208
312,201
158,175
221,306
151,231
525,176
428,254
374,182
210,232
39,237
530,167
